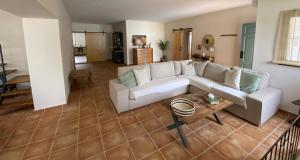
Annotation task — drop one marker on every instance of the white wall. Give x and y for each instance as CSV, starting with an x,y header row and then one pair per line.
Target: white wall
x,y
43,47
82,27
12,41
27,8
285,78
58,10
154,32
107,37
223,22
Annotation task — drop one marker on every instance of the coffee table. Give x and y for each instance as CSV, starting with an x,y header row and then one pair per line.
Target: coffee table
x,y
203,110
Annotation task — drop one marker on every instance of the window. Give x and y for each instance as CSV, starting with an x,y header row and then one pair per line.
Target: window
x,y
287,50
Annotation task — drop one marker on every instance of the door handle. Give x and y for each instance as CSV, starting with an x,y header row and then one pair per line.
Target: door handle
x,y
241,54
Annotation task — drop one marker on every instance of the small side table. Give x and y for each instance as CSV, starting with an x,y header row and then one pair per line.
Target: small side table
x,y
80,74
297,103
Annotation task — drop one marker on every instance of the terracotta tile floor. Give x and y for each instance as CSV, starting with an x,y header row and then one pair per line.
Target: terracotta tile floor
x,y
89,128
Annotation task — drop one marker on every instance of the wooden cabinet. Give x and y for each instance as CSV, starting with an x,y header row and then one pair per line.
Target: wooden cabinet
x,y
142,55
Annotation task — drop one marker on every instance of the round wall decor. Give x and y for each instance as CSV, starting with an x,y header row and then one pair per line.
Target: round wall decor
x,y
208,41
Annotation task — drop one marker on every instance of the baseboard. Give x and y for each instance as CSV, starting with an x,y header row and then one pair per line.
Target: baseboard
x,y
290,108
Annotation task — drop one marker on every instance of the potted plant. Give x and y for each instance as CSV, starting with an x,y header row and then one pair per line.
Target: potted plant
x,y
163,46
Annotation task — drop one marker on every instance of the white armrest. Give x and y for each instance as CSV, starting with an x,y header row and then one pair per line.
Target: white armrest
x,y
119,95
262,105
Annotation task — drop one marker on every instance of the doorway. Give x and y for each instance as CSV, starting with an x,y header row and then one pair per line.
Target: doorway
x,y
88,47
79,48
247,45
182,39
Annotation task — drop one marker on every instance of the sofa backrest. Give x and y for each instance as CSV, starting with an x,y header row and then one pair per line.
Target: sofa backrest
x,y
122,70
177,66
215,72
200,68
162,70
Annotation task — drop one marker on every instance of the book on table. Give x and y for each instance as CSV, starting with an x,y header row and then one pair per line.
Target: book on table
x,y
213,101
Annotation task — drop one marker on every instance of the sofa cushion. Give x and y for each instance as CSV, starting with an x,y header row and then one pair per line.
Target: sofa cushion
x,y
233,78
249,82
141,76
264,77
215,72
188,69
158,86
122,70
202,83
200,68
236,96
128,79
162,70
177,67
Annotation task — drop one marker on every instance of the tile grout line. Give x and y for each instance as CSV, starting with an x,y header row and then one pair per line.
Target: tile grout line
x,y
224,137
99,127
148,134
261,143
12,133
169,131
123,133
211,146
177,139
127,141
78,123
27,145
54,136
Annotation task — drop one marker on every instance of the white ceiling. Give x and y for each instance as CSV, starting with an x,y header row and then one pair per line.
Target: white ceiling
x,y
110,11
25,8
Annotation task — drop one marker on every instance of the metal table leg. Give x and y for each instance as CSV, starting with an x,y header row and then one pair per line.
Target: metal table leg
x,y
177,124
217,119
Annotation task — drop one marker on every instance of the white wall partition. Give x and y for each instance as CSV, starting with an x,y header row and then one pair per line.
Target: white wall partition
x,y
58,10
44,55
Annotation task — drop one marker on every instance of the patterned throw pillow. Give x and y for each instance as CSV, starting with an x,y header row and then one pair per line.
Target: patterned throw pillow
x,y
249,82
188,68
141,76
128,79
233,78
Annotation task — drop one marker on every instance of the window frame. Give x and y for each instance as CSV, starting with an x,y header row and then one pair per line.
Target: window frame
x,y
281,52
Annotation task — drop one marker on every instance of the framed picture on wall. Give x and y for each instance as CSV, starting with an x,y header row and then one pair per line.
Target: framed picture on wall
x,y
139,40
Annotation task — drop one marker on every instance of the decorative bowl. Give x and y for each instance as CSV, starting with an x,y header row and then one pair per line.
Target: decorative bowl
x,y
183,107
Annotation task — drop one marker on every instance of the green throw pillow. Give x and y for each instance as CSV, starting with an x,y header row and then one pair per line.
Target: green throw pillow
x,y
249,82
128,79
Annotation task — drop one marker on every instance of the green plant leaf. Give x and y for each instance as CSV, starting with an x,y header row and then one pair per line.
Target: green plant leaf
x,y
163,45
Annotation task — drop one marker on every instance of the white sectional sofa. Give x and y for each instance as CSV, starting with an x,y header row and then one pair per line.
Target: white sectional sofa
x,y
166,80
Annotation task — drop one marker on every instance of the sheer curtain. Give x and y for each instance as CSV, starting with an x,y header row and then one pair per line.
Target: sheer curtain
x,y
287,49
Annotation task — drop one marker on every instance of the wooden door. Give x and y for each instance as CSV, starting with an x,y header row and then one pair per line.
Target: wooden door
x,y
247,45
95,47
177,45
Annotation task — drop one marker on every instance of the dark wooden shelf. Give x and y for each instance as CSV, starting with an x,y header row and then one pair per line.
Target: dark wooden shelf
x,y
12,106
16,92
18,79
9,71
